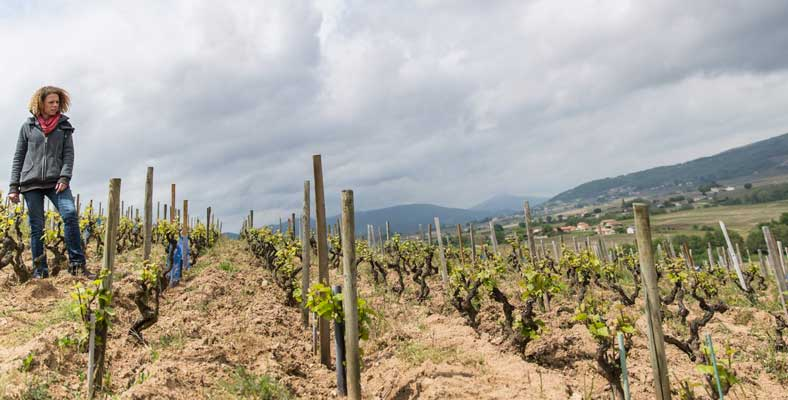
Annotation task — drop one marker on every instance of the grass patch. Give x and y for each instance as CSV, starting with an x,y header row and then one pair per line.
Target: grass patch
x,y
743,317
244,385
228,267
415,353
172,341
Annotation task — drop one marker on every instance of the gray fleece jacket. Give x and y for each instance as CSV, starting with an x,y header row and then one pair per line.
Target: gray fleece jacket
x,y
41,161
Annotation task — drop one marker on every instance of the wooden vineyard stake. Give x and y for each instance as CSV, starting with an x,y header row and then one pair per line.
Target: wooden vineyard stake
x,y
493,239
148,225
185,234
107,264
771,247
529,231
429,234
322,254
293,221
306,251
459,240
350,299
172,202
603,250
764,271
656,339
685,252
710,255
734,257
388,231
473,243
443,269
208,224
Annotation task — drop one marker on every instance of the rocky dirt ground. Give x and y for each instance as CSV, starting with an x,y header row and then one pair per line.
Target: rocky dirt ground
x,y
224,333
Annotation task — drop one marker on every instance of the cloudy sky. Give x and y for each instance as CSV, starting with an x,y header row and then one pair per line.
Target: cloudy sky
x,y
448,102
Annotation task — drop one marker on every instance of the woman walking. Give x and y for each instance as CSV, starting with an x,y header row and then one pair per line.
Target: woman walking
x,y
42,166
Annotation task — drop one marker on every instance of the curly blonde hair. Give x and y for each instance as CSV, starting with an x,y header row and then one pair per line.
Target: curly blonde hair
x,y
36,106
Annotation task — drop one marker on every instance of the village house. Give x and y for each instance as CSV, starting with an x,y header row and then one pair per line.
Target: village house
x,y
582,226
606,231
567,229
631,230
611,223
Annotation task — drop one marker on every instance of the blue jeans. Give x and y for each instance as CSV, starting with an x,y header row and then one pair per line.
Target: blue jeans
x,y
64,203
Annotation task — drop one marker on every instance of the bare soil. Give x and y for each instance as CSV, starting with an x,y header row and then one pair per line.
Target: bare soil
x,y
227,314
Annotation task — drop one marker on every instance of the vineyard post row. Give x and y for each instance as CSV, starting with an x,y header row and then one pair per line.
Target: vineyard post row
x,y
600,249
99,328
349,339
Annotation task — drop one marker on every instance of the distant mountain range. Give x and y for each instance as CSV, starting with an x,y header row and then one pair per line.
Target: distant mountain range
x,y
406,218
758,160
507,204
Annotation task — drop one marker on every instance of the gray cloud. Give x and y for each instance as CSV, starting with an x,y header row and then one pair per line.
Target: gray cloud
x,y
427,101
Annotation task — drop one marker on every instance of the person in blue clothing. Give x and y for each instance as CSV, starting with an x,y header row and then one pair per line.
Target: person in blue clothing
x,y
42,166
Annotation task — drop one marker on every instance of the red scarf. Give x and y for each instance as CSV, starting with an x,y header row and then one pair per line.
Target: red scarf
x,y
48,124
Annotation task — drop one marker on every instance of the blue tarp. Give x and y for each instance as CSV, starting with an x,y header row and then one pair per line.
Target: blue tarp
x,y
180,259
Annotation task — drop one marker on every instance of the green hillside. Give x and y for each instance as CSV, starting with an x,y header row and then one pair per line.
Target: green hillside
x,y
759,160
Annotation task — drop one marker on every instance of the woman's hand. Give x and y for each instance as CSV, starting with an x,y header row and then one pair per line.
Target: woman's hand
x,y
61,187
14,197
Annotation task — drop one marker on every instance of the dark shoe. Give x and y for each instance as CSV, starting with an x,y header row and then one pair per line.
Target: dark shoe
x,y
80,269
40,274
